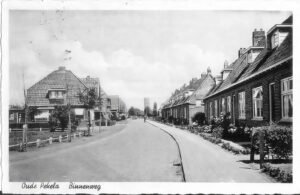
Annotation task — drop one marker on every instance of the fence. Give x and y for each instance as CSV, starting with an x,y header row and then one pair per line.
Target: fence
x,y
50,140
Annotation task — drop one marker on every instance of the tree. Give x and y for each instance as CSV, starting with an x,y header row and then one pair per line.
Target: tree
x,y
31,112
90,100
132,111
155,109
59,117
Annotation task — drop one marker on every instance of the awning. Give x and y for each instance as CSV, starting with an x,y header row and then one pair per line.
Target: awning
x,y
42,114
79,111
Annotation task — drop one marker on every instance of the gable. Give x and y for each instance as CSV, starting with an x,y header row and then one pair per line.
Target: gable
x,y
37,95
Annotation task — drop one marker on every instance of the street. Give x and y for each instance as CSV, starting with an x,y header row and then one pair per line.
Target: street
x,y
139,152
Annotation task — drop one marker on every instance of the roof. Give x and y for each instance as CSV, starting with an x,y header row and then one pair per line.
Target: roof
x,y
37,95
179,96
263,62
238,67
91,82
289,20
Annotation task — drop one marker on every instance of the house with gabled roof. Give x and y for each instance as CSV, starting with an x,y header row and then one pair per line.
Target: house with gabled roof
x,y
259,88
60,87
188,100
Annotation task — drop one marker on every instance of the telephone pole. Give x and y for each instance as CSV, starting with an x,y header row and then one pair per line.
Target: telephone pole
x,y
23,147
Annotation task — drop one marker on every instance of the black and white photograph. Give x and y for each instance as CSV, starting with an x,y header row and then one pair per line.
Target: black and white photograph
x,y
181,97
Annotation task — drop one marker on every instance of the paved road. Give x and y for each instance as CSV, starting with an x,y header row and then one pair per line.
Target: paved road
x,y
207,162
139,152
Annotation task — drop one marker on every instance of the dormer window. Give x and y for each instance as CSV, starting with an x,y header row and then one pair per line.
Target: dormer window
x,y
278,37
56,93
277,34
252,53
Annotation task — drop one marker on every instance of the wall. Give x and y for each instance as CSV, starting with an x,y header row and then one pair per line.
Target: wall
x,y
263,80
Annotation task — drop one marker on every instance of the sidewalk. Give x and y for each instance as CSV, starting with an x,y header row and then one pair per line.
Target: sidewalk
x,y
206,162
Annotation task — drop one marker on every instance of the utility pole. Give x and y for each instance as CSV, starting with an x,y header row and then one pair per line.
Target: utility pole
x,y
100,105
89,116
66,59
24,133
69,113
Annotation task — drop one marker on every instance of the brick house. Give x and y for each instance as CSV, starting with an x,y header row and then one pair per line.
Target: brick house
x,y
61,87
259,88
188,100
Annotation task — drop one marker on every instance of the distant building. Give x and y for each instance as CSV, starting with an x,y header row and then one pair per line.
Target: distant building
x,y
117,105
186,101
146,103
101,110
16,114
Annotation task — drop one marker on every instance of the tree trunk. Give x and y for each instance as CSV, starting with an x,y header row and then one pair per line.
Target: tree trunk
x,y
89,122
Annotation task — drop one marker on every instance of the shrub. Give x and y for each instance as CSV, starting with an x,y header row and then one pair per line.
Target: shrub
x,y
218,132
199,118
170,119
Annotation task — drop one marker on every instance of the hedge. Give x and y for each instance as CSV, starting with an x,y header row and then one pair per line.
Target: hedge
x,y
277,173
277,138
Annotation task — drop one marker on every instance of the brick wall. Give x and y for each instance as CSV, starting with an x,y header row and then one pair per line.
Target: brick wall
x,y
275,76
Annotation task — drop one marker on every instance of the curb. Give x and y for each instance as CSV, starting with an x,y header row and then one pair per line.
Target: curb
x,y
179,151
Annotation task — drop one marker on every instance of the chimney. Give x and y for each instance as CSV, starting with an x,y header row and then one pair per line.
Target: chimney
x,y
241,51
225,64
218,79
61,68
258,38
203,74
208,70
226,71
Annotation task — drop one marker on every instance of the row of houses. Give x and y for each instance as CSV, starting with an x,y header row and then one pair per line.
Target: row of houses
x,y
255,89
62,87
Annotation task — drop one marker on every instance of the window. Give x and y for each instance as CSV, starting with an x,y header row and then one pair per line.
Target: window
x,y
216,108
12,116
229,104
241,97
223,105
55,94
257,99
210,109
275,39
287,98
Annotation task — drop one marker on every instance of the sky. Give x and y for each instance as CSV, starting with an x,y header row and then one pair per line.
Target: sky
x,y
135,54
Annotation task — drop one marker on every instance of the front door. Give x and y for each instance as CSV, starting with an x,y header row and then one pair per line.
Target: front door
x,y
271,101
233,109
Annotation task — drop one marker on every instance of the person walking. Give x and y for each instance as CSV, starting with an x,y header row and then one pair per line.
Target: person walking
x,y
145,117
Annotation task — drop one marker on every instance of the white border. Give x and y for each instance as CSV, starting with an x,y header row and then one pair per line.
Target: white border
x,y
133,188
